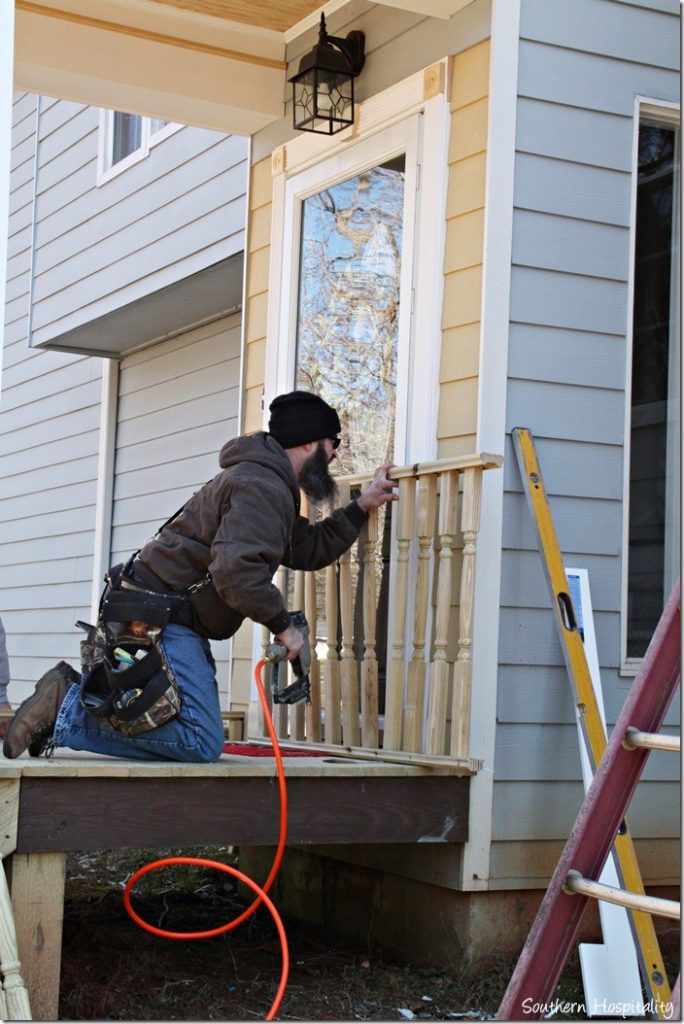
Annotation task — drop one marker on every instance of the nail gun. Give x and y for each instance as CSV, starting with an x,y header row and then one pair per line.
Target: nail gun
x,y
276,653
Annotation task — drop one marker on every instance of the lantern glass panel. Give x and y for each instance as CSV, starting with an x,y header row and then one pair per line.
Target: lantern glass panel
x,y
323,101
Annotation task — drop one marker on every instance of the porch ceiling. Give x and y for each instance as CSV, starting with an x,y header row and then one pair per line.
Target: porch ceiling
x,y
215,63
280,15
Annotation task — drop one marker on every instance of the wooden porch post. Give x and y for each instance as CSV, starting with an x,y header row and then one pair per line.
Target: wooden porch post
x,y
463,669
439,685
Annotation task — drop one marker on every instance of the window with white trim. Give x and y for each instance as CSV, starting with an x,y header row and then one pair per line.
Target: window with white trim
x,y
653,506
126,139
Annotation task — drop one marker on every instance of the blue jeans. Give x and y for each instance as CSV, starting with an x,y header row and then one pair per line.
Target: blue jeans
x,y
195,734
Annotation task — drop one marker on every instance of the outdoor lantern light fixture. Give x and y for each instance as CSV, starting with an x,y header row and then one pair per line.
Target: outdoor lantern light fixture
x,y
323,88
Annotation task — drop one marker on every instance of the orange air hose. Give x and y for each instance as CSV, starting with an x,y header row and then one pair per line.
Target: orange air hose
x,y
261,892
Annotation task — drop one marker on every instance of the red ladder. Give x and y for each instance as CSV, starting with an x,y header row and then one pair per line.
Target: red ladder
x,y
556,925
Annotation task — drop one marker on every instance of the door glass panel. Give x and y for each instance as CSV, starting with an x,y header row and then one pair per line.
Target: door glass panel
x,y
348,307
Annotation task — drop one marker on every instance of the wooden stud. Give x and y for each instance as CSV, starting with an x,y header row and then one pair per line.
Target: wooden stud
x,y
415,690
369,665
463,669
439,681
9,815
38,901
394,690
233,725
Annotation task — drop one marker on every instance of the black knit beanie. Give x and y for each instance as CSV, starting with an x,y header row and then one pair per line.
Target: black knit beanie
x,y
299,417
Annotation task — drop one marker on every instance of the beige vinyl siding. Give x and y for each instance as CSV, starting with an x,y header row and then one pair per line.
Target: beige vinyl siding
x,y
49,438
463,256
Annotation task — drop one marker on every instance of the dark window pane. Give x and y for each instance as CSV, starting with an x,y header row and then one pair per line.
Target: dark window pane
x,y
126,135
651,388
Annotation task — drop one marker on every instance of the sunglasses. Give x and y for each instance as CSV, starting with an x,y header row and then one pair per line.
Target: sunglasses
x,y
335,442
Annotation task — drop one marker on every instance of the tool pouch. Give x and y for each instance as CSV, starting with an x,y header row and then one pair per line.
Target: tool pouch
x,y
133,698
127,680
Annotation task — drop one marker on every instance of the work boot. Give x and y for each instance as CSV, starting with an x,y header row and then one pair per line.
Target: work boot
x,y
34,722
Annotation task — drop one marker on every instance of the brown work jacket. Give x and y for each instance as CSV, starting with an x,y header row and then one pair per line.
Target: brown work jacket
x,y
243,524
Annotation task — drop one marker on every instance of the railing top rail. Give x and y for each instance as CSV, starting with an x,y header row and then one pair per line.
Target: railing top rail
x,y
459,463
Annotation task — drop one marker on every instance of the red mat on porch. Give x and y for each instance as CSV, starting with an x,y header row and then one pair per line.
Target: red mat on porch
x,y
256,750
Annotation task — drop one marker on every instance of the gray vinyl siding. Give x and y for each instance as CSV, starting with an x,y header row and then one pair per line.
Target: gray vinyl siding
x,y
581,66
49,436
174,213
178,404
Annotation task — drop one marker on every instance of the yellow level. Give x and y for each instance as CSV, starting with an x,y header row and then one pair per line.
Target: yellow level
x,y
650,959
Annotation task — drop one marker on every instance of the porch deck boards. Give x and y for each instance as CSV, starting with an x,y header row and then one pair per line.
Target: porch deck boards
x,y
87,802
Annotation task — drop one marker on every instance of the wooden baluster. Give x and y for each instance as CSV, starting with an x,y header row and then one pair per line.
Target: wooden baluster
x,y
266,680
351,734
16,997
394,692
439,677
463,669
312,711
415,692
279,711
256,726
369,665
331,692
297,710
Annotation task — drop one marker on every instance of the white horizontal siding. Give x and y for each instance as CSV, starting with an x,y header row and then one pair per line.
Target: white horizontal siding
x,y
178,404
49,429
174,213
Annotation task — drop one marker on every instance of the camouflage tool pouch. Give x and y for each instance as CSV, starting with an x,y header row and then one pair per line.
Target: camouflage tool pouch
x,y
133,688
128,681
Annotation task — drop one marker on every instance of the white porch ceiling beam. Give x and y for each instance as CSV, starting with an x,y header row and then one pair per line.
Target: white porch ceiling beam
x,y
430,8
124,67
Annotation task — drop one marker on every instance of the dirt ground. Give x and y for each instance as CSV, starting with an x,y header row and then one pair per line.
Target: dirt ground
x,y
113,970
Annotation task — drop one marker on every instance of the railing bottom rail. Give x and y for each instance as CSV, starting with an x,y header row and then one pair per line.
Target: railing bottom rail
x,y
446,765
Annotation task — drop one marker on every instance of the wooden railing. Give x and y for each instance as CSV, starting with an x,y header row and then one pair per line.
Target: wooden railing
x,y
407,697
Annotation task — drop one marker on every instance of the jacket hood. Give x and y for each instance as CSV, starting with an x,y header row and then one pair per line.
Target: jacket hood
x,y
264,450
